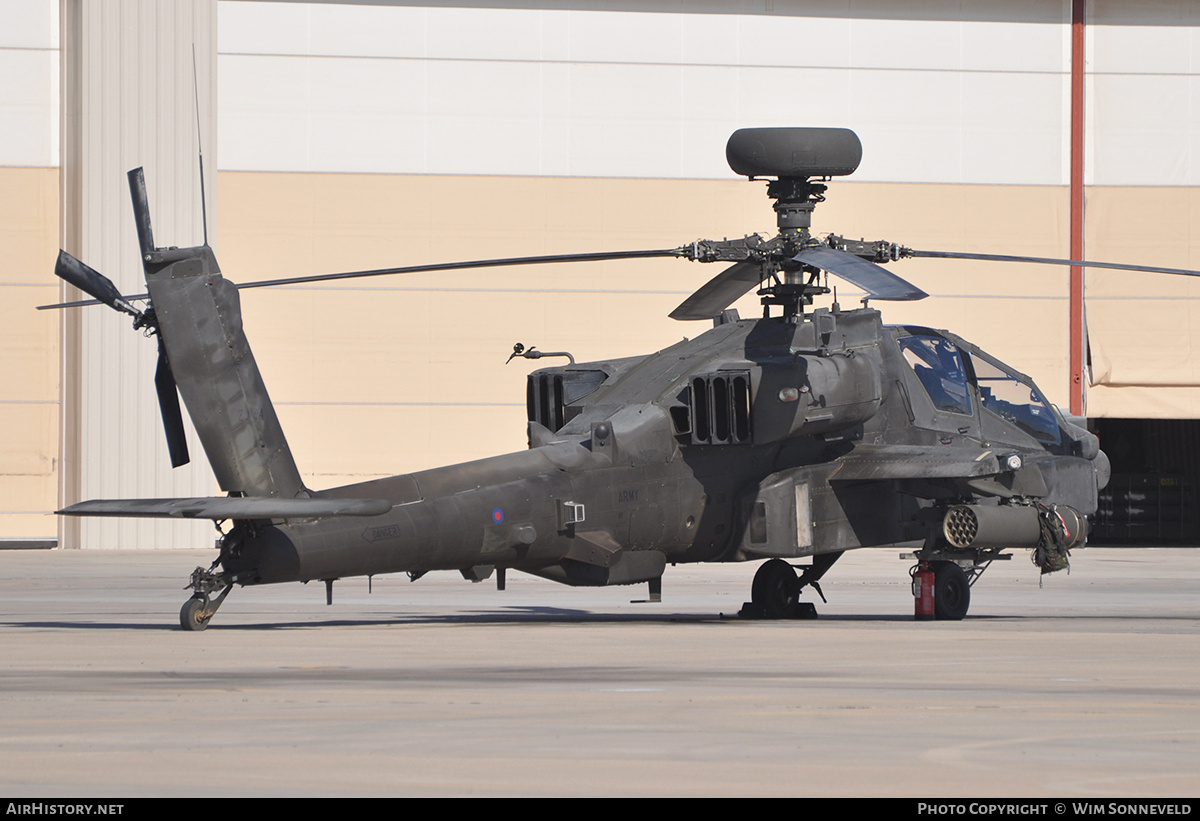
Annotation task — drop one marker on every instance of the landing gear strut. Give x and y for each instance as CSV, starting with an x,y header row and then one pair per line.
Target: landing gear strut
x,y
200,608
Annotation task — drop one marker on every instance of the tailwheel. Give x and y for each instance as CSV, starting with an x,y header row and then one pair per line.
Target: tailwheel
x,y
775,592
198,611
951,592
195,613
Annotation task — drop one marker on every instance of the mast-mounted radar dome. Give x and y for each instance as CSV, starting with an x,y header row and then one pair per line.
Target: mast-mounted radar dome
x,y
793,152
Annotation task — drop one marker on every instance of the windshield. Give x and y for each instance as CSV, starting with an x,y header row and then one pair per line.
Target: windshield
x,y
938,364
1015,400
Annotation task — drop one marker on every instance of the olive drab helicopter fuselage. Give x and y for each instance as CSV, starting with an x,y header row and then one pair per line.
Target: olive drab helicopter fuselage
x,y
789,438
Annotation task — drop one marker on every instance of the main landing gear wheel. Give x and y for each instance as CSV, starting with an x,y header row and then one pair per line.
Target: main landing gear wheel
x,y
195,614
776,590
951,592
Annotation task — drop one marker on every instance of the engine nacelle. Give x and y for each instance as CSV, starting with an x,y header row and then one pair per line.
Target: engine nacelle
x,y
843,391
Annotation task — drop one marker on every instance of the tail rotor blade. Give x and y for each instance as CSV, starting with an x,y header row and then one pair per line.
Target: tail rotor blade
x,y
141,210
95,284
92,282
168,403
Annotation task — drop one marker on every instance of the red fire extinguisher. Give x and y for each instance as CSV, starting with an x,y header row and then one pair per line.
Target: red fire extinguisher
x,y
922,588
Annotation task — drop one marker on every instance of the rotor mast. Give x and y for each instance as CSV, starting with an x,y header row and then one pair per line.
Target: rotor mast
x,y
797,162
794,158
795,198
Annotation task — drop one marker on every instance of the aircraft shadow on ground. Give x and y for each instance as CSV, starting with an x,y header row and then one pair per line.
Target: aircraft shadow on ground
x,y
534,615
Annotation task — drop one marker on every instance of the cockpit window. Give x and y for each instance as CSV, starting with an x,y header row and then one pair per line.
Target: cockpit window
x,y
1015,400
939,365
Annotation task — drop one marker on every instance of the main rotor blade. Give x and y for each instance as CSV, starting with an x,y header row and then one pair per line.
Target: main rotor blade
x,y
168,404
720,292
420,269
90,281
878,282
1082,263
460,266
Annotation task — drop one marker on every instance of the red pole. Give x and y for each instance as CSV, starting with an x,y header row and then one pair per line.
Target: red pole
x,y
1078,332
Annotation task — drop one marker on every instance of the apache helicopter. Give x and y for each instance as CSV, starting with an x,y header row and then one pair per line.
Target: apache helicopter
x,y
790,438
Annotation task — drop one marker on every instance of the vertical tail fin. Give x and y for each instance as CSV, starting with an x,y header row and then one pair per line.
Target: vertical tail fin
x,y
199,320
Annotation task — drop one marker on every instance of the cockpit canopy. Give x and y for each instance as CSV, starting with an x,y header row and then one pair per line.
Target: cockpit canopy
x,y
953,373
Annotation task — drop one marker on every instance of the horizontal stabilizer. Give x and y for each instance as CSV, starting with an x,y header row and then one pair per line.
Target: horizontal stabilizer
x,y
220,508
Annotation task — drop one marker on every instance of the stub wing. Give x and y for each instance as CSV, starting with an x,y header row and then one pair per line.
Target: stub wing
x,y
220,508
873,462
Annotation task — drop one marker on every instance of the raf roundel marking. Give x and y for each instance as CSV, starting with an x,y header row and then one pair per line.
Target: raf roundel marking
x,y
497,515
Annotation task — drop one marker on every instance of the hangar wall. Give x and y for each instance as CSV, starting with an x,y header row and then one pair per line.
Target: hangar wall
x,y
29,366
1143,205
412,133
365,136
131,91
597,127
